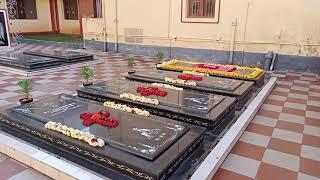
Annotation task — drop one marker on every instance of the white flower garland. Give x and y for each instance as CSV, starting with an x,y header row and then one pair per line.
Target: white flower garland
x,y
166,86
139,98
195,73
125,108
75,133
180,81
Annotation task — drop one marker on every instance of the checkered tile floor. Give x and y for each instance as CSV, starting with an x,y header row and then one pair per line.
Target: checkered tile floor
x,y
282,142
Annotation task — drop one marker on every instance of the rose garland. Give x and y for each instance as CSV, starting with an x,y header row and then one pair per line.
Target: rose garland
x,y
189,77
195,73
75,133
147,91
167,86
172,65
139,98
180,81
102,118
125,108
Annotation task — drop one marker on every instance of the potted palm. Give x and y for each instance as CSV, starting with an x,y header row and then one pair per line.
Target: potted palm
x,y
160,56
131,65
87,74
26,85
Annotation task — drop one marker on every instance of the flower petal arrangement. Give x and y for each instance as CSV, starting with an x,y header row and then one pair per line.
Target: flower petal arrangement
x,y
195,73
167,86
75,133
125,108
213,69
189,77
102,118
147,91
180,81
141,99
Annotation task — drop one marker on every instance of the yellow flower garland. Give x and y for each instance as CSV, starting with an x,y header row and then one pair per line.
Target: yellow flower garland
x,y
172,65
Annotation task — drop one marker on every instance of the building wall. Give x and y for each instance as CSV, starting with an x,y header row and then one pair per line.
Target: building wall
x,y
41,24
2,4
67,26
286,27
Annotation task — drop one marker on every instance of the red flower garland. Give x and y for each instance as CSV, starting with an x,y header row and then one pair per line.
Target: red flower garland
x,y
188,77
147,91
218,68
101,118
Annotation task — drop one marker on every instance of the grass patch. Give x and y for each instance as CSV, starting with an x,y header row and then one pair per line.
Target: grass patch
x,y
56,37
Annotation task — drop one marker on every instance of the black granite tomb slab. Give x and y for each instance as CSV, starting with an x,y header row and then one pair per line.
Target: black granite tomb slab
x,y
64,56
26,62
126,151
240,89
258,81
202,109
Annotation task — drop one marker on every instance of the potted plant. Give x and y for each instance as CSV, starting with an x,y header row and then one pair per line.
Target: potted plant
x,y
160,56
87,74
26,85
131,65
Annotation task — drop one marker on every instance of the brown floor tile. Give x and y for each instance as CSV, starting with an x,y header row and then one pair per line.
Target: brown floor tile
x,y
313,108
270,172
310,167
312,121
296,100
314,90
311,140
260,129
288,77
295,127
298,92
301,85
274,102
223,174
9,168
314,98
285,146
297,112
282,86
270,114
248,150
279,93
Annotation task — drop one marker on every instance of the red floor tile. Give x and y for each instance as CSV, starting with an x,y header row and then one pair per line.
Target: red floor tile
x,y
297,112
310,167
314,90
301,85
312,121
9,168
279,93
270,172
285,146
313,108
299,92
223,174
282,86
295,127
270,114
314,98
274,102
260,129
311,140
296,100
248,150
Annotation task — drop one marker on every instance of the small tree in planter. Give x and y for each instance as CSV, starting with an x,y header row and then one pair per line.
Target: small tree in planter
x,y
87,74
160,56
131,65
26,85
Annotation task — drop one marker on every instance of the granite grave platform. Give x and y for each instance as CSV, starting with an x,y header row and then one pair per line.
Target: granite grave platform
x,y
240,89
201,109
64,56
140,147
27,62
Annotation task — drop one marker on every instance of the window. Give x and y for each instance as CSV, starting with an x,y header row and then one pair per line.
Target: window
x,y
200,11
70,9
201,8
23,9
97,6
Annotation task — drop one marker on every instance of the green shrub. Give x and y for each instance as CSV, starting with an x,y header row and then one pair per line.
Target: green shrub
x,y
131,62
86,73
26,85
160,56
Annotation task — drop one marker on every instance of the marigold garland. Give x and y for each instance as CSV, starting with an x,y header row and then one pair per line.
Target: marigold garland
x,y
75,133
125,108
172,65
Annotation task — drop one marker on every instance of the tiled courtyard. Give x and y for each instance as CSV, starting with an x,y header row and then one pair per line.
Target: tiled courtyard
x,y
282,142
